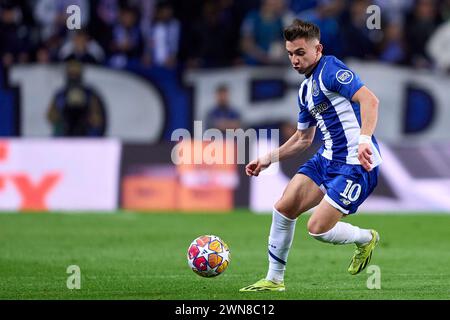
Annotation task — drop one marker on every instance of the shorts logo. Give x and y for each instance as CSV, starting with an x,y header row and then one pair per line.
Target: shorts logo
x,y
315,89
346,202
344,76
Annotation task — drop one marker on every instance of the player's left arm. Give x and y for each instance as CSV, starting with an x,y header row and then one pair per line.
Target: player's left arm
x,y
368,103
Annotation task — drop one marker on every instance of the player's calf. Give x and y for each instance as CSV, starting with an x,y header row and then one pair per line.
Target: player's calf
x,y
324,225
344,233
316,226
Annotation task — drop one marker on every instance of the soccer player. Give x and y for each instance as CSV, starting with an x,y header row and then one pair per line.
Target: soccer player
x,y
344,171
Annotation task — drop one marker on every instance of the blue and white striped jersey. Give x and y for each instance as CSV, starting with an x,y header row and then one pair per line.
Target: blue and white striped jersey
x,y
324,99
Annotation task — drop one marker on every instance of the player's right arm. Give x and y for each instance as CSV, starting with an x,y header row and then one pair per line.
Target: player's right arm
x,y
298,142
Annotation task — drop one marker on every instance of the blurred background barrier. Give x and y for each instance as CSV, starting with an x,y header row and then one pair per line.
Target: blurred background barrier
x,y
413,103
129,100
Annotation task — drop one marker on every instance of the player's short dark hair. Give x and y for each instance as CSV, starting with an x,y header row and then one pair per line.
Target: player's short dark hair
x,y
301,29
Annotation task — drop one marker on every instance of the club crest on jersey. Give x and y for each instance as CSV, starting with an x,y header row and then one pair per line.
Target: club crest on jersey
x,y
319,109
344,76
315,89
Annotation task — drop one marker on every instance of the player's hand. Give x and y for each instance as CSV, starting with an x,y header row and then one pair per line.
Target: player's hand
x,y
365,156
256,166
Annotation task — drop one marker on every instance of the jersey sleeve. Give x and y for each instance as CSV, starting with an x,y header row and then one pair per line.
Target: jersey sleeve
x,y
305,119
339,78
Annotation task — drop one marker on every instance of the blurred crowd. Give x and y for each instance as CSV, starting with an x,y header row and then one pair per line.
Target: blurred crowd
x,y
220,33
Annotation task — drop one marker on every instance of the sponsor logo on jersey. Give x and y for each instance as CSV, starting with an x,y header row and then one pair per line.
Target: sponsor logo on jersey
x,y
344,76
319,109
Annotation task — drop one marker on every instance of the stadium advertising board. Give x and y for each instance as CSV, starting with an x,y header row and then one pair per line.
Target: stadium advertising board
x,y
152,181
59,175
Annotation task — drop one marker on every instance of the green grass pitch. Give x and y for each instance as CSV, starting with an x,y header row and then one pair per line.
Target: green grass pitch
x,y
143,256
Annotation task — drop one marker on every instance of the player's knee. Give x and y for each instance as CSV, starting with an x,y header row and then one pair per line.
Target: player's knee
x,y
286,209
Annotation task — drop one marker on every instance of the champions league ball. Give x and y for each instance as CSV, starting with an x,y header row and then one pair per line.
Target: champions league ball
x,y
208,256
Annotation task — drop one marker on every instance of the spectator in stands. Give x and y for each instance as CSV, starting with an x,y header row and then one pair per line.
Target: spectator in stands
x,y
162,45
147,10
357,39
43,55
440,40
77,110
438,47
105,16
444,10
394,11
51,25
262,34
81,47
218,51
223,116
419,26
49,49
392,48
108,12
51,16
298,6
126,44
25,11
14,36
48,18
